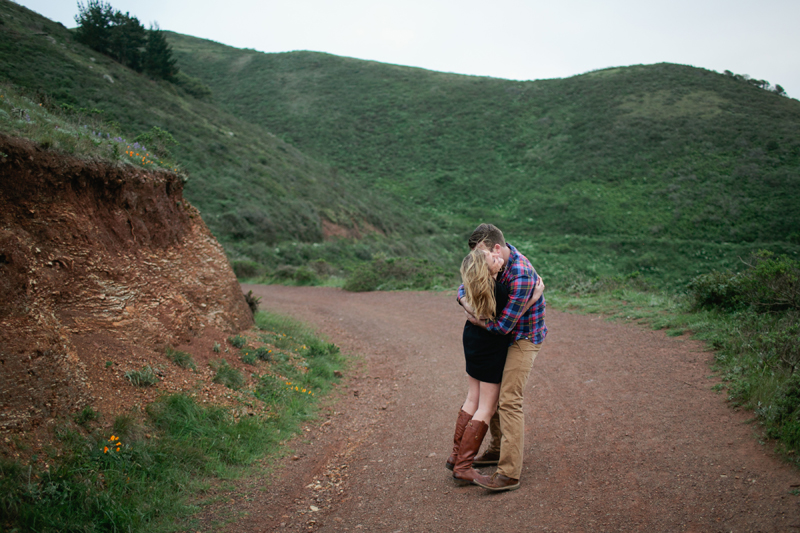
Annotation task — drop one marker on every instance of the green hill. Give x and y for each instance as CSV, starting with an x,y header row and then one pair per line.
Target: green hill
x,y
660,150
667,170
262,198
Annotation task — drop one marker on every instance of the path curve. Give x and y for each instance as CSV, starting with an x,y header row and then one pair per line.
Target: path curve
x,y
623,432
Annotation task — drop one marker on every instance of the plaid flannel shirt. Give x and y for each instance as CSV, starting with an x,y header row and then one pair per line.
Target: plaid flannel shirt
x,y
520,277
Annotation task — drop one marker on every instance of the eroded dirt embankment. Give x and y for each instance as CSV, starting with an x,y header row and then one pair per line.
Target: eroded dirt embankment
x,y
100,267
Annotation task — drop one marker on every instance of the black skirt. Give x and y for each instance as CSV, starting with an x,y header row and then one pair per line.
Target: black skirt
x,y
484,351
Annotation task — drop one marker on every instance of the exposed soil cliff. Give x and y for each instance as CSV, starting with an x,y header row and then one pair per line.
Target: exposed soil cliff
x,y
100,267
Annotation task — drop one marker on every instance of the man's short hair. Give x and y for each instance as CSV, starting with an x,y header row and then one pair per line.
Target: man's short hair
x,y
489,234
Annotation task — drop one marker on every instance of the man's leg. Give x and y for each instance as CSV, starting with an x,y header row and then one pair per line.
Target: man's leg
x,y
518,367
491,455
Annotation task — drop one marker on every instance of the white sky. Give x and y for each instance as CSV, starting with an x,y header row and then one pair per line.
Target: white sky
x,y
512,39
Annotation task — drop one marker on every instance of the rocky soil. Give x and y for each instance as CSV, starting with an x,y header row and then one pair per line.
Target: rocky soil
x,y
100,268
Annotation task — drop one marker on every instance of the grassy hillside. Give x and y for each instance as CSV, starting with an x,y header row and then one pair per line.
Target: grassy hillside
x,y
663,157
262,198
660,150
666,170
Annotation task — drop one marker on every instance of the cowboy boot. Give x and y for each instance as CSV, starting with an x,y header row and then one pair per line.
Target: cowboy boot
x,y
461,423
470,443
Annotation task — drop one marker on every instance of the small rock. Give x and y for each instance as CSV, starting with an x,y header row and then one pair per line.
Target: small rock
x,y
432,454
314,508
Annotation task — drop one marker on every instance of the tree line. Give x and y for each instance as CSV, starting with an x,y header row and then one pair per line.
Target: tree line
x,y
123,38
761,84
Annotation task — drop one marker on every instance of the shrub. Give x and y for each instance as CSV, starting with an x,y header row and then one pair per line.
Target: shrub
x,y
248,358
770,283
271,390
237,341
247,269
227,375
391,274
318,348
263,354
252,302
717,290
773,282
145,377
87,414
783,417
182,359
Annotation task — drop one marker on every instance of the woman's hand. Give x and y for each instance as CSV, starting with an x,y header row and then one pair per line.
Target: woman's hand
x,y
538,290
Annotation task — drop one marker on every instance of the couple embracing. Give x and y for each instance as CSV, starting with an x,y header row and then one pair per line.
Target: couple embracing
x,y
502,296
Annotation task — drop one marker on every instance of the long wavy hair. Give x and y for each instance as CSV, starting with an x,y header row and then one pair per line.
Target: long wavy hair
x,y
478,284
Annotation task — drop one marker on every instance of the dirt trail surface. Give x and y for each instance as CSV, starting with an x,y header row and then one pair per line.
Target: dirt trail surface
x,y
623,433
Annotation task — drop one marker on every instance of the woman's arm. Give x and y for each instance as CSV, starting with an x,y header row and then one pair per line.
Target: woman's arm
x,y
538,290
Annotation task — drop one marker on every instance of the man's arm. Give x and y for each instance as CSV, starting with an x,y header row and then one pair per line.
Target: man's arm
x,y
521,289
467,308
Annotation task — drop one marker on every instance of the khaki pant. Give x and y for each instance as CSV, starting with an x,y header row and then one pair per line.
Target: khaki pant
x,y
508,423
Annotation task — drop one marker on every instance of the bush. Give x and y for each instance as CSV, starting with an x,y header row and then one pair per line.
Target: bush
x,y
271,390
302,275
227,375
717,290
237,341
87,414
783,417
247,269
182,359
263,354
392,274
318,348
248,358
770,283
145,377
773,282
252,302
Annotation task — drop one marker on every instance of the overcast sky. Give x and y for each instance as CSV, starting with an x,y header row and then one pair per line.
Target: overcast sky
x,y
512,39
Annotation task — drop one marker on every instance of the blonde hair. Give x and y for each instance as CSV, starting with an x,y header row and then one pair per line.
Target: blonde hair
x,y
478,284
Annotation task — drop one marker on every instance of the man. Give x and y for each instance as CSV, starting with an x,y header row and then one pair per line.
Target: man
x,y
528,332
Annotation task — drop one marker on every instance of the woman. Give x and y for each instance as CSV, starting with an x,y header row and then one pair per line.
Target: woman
x,y
485,355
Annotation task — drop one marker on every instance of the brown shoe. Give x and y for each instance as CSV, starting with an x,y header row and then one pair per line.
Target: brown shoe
x,y
498,483
470,443
487,458
461,423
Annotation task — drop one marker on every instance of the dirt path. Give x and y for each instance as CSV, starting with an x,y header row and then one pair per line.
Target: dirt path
x,y
623,433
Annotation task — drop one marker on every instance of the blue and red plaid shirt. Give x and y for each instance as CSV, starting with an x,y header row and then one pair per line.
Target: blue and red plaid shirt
x,y
520,277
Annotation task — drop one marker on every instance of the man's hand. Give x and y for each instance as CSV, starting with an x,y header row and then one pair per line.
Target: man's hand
x,y
471,314
478,322
538,290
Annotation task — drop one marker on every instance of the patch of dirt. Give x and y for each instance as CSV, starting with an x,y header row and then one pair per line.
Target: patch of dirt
x,y
623,433
100,268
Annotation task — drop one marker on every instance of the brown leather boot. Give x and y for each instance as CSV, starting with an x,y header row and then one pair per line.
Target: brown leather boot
x,y
461,422
487,458
470,443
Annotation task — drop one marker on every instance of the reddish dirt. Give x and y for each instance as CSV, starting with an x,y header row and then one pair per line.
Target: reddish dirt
x,y
100,267
624,433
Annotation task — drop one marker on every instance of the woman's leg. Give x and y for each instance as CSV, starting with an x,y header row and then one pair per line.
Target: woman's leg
x,y
475,431
487,401
464,416
473,396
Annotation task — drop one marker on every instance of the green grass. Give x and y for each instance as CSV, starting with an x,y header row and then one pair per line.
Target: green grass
x,y
182,359
145,377
227,375
166,459
653,164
